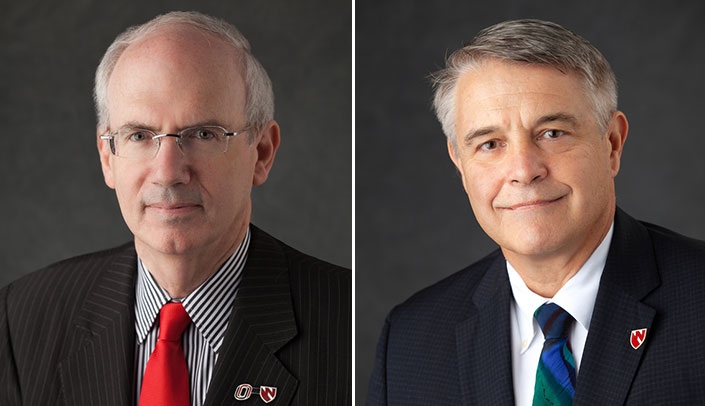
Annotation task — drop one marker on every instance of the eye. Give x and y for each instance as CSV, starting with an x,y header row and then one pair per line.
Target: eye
x,y
552,134
203,133
489,145
138,136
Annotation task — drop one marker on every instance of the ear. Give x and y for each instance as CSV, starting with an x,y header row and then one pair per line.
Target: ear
x,y
457,161
617,136
267,146
106,160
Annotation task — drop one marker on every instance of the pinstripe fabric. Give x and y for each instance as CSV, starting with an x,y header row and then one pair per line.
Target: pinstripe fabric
x,y
70,325
449,343
291,330
67,333
209,307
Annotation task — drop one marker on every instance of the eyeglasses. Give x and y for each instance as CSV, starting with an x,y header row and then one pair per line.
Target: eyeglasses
x,y
140,144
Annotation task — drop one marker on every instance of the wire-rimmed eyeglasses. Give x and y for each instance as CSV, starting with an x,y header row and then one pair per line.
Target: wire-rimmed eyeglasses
x,y
143,144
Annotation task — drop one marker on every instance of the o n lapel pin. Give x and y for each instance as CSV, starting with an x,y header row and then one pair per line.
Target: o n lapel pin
x,y
637,338
266,393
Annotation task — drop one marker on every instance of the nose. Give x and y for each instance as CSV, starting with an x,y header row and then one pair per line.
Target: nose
x,y
170,166
526,164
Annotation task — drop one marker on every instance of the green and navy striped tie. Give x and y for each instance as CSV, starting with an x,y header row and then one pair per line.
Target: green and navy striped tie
x,y
555,375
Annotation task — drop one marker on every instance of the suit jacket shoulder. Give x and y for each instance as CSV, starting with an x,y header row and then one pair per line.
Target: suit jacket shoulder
x,y
674,247
441,300
63,285
448,343
46,316
330,280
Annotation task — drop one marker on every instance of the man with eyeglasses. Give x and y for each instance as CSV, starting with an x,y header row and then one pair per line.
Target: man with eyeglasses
x,y
203,307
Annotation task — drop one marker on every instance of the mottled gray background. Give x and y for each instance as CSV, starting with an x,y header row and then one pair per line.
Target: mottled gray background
x,y
414,224
54,203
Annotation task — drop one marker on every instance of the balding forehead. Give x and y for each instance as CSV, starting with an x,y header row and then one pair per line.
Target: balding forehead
x,y
180,74
186,49
185,38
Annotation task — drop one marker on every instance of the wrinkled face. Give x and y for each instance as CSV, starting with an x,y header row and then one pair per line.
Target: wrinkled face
x,y
176,203
537,170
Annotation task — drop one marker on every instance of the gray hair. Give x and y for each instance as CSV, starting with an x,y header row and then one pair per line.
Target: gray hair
x,y
530,42
259,106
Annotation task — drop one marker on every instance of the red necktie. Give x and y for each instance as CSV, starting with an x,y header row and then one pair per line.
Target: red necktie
x,y
165,381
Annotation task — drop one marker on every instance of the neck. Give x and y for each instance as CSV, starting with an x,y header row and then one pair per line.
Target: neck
x,y
180,274
546,278
546,274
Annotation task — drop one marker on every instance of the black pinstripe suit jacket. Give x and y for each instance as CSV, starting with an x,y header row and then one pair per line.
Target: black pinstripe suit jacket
x,y
450,344
67,334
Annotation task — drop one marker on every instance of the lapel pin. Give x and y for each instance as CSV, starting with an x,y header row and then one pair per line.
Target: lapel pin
x,y
637,338
245,390
267,393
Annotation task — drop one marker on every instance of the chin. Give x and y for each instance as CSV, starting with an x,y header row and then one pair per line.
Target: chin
x,y
171,242
534,251
531,241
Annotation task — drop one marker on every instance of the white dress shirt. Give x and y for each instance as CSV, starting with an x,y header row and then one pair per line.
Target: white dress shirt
x,y
577,297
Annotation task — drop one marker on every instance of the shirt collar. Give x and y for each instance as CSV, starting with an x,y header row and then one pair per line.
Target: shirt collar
x,y
577,296
208,306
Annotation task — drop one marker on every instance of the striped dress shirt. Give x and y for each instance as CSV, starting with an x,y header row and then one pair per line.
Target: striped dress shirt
x,y
209,307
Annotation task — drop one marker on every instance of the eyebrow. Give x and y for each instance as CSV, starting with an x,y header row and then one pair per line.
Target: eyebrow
x,y
549,118
131,125
562,117
479,132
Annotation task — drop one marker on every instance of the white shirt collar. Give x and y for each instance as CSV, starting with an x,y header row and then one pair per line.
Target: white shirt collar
x,y
577,296
209,306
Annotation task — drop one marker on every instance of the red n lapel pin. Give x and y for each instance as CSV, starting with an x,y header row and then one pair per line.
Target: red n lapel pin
x,y
267,393
637,338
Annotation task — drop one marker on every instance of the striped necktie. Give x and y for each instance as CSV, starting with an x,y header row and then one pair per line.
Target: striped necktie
x,y
555,375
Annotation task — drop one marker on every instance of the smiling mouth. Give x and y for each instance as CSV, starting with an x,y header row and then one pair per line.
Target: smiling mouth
x,y
533,204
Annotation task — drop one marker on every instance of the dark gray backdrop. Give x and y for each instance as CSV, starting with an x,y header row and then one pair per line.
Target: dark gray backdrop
x,y
54,203
414,224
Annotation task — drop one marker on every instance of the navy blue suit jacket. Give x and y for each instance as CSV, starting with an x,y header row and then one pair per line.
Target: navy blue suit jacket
x,y
450,343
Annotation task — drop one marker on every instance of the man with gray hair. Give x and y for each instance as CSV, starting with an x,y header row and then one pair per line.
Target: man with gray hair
x,y
202,307
581,303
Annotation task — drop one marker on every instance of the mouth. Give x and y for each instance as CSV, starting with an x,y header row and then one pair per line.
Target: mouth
x,y
173,208
532,204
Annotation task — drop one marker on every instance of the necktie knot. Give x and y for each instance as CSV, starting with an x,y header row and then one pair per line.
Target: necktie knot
x,y
553,320
173,320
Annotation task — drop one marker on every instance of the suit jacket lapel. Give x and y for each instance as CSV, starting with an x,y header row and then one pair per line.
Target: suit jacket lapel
x,y
100,369
262,321
609,361
484,352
